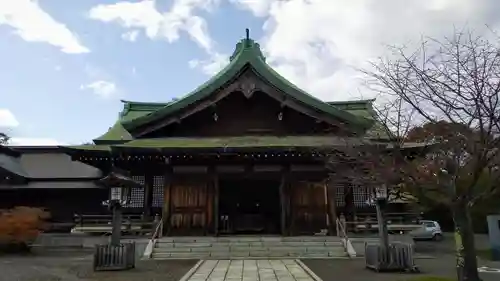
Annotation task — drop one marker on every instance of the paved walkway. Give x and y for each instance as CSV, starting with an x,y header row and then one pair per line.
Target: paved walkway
x,y
250,270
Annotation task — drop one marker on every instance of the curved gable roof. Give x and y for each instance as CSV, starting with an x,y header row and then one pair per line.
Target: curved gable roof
x,y
247,52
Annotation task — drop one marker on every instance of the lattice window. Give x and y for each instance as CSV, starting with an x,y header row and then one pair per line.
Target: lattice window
x,y
137,194
158,187
340,196
361,196
116,193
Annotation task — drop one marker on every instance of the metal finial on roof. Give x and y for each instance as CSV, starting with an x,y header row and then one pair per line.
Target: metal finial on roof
x,y
247,33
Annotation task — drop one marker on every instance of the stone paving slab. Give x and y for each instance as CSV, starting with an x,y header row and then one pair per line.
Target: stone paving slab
x,y
250,270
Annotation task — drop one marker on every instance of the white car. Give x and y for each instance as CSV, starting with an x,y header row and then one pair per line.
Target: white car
x,y
429,230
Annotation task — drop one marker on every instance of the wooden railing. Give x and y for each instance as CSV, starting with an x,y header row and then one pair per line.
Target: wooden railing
x,y
132,224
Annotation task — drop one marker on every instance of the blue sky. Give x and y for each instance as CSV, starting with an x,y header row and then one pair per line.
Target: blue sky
x,y
65,65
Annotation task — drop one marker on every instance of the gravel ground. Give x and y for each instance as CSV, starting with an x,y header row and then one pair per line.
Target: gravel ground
x,y
354,270
447,246
442,264
78,267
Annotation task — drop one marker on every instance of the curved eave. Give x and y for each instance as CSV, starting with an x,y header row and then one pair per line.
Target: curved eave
x,y
243,144
117,133
93,155
86,150
118,180
281,83
244,57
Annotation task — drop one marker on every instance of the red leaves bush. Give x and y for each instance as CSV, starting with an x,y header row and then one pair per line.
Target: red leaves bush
x,y
21,225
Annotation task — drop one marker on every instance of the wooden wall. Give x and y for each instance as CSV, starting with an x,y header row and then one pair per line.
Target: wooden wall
x,y
188,207
239,116
308,207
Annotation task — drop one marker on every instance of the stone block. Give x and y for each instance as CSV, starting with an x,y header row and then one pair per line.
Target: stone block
x,y
240,254
256,253
314,255
192,245
337,254
239,244
248,248
171,250
161,244
317,250
189,255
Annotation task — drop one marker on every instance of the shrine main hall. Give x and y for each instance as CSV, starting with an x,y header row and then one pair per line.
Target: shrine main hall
x,y
243,153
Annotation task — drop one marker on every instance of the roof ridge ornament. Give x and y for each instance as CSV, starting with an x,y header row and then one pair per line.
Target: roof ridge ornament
x,y
247,31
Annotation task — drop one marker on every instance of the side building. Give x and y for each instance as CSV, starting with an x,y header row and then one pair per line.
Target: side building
x,y
46,177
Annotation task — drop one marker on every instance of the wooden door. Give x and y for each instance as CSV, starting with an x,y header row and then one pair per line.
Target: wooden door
x,y
308,208
190,208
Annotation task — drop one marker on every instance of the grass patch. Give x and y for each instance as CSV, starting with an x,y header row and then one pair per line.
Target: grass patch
x,y
430,278
485,254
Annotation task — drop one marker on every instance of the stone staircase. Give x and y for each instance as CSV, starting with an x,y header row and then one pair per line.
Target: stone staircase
x,y
256,247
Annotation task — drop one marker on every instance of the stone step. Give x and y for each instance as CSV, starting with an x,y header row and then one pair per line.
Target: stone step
x,y
248,247
186,239
245,254
247,244
254,249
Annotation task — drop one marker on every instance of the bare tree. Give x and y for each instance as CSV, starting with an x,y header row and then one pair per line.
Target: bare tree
x,y
456,80
379,165
4,139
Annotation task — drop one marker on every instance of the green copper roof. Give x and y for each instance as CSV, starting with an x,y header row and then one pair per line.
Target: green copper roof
x,y
131,110
221,142
247,53
243,141
89,147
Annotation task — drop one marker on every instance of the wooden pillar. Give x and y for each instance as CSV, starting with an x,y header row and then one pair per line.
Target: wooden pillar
x,y
330,204
148,195
209,200
216,218
284,200
167,202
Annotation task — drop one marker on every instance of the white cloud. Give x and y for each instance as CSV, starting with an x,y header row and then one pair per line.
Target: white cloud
x,y
212,65
130,36
318,44
103,89
156,24
167,25
7,119
20,141
33,24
